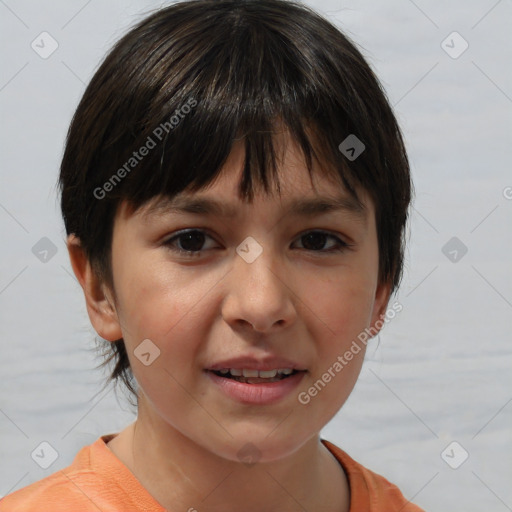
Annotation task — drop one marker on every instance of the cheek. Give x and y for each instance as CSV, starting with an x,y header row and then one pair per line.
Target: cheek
x,y
172,310
342,308
153,298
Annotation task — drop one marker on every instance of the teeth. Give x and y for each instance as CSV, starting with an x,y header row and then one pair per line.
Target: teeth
x,y
250,373
268,374
263,374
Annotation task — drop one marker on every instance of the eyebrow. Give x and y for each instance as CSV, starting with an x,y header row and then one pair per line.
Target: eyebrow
x,y
317,206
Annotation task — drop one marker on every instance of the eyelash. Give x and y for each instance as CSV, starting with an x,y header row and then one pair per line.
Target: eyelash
x,y
169,243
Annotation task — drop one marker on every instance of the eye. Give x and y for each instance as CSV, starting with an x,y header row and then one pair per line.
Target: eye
x,y
315,240
190,242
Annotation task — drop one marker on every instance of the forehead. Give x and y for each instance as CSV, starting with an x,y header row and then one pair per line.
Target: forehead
x,y
300,194
208,205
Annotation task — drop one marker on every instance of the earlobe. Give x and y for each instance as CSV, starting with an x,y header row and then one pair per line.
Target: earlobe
x,y
100,305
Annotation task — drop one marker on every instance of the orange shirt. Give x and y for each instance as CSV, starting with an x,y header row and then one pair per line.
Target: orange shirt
x,y
97,481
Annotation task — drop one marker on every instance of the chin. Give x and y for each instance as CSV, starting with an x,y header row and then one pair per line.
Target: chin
x,y
261,447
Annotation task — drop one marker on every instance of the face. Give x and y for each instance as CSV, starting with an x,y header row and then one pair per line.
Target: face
x,y
210,305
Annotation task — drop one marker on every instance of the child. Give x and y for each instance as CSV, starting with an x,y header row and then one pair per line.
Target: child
x,y
256,128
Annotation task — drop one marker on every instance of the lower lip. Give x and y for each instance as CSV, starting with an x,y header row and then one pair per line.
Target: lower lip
x,y
257,394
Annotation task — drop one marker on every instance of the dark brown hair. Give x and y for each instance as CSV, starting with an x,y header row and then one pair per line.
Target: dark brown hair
x,y
190,79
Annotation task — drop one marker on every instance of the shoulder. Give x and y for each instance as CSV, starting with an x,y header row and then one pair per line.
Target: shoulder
x,y
84,485
62,491
96,481
369,490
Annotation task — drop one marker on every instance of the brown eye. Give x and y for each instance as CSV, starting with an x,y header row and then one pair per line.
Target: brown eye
x,y
188,243
315,241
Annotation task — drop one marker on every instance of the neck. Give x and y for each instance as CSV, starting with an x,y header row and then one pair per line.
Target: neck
x,y
181,475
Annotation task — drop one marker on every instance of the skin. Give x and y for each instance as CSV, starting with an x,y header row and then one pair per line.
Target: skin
x,y
306,304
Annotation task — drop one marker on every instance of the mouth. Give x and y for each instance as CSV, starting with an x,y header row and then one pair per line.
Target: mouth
x,y
250,376
255,386
251,380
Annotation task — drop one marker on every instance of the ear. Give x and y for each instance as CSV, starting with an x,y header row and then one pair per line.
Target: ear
x,y
98,299
380,305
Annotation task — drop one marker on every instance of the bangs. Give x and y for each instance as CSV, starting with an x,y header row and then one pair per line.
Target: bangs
x,y
195,96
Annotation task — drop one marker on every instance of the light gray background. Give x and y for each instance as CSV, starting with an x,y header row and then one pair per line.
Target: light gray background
x,y
441,372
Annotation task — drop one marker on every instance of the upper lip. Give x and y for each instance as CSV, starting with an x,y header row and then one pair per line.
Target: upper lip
x,y
253,363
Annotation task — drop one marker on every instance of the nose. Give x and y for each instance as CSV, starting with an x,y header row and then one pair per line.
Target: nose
x,y
260,294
